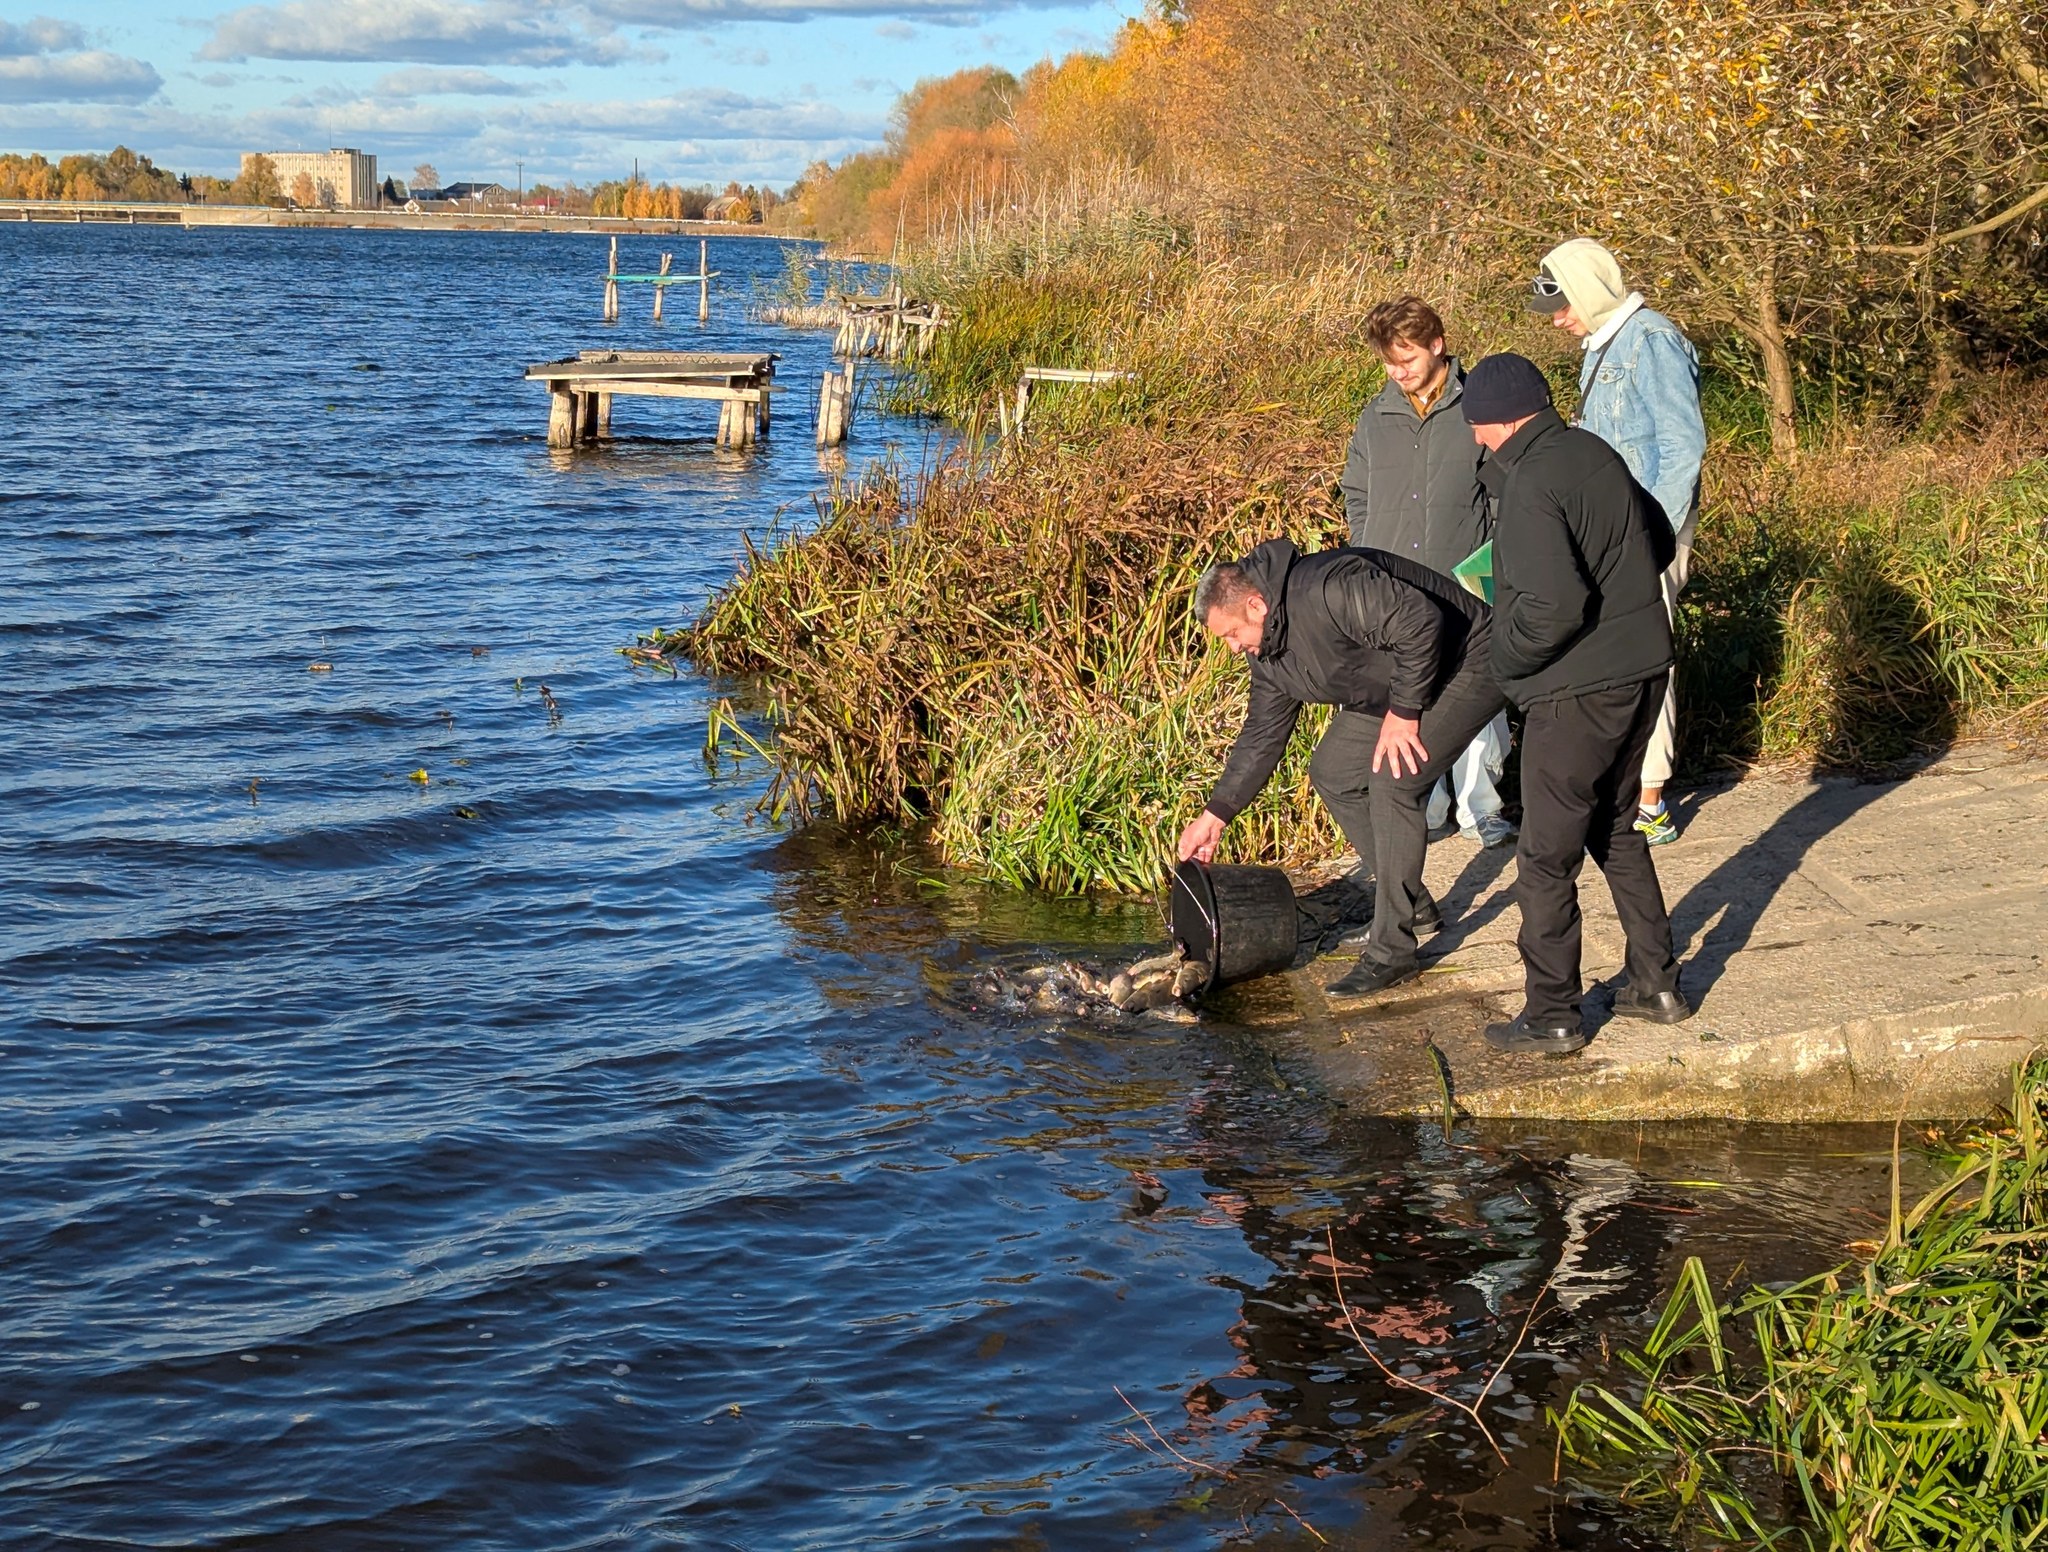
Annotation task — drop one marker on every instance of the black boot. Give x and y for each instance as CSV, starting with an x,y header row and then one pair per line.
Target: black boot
x,y
1429,918
1371,975
1658,1007
1523,1038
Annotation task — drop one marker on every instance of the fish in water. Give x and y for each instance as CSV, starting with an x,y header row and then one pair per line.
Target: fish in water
x,y
1153,983
1157,985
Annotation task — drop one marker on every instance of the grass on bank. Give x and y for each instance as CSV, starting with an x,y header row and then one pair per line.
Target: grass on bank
x,y
1001,648
1902,1404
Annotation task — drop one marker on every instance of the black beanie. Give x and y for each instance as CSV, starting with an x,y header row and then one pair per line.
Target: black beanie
x,y
1504,388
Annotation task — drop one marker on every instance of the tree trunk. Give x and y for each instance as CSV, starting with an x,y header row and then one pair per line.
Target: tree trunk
x,y
1769,334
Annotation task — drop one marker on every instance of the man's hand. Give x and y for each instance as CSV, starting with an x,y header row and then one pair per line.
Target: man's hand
x,y
1199,839
1400,736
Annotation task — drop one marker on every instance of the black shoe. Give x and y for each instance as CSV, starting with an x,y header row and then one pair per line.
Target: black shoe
x,y
1429,918
1526,1039
1372,975
1657,1007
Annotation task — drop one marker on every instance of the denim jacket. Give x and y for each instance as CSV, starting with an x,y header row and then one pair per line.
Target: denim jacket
x,y
1642,398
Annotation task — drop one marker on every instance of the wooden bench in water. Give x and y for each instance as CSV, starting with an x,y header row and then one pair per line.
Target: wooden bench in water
x,y
582,387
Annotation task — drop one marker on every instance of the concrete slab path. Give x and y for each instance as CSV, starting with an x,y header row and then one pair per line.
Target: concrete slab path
x,y
1855,949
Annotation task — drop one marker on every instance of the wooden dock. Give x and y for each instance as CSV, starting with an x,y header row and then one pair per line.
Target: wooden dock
x,y
582,387
888,328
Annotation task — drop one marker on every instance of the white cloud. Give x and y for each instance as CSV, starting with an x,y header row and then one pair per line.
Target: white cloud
x,y
424,81
687,13
684,137
449,32
896,32
92,76
39,35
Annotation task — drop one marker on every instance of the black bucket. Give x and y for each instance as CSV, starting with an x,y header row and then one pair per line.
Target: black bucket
x,y
1239,922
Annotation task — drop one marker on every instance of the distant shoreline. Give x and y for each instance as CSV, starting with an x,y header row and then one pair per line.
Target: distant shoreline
x,y
123,213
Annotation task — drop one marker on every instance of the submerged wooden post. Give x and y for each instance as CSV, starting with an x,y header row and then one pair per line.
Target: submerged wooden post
x,y
561,418
611,286
703,281
660,290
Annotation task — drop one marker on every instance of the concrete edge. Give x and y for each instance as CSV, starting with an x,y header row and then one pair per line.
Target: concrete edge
x,y
1950,1061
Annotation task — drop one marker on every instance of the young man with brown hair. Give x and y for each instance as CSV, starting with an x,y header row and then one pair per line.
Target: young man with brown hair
x,y
1411,488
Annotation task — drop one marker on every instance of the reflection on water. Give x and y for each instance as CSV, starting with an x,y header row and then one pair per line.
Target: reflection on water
x,y
549,1154
1443,1244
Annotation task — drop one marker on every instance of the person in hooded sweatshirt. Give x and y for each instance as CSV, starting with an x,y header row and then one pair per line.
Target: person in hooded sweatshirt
x,y
1582,644
1411,487
1639,392
1401,652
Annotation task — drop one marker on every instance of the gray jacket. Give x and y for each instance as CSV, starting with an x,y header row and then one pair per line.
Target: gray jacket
x,y
1411,485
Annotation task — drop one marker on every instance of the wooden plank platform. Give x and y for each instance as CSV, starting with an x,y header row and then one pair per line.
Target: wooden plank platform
x,y
582,387
1032,376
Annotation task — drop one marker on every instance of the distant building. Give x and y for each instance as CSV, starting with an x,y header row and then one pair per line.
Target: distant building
x,y
478,194
346,179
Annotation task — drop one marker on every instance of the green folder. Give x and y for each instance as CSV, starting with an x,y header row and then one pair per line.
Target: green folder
x,y
1475,571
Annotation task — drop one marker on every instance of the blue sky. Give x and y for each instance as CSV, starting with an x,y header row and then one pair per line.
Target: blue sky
x,y
698,90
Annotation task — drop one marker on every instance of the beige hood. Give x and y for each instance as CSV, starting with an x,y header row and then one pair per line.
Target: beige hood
x,y
1590,277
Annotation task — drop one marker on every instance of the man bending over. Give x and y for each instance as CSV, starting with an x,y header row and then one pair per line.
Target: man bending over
x,y
1402,653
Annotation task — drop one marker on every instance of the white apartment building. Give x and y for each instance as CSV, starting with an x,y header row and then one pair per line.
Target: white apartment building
x,y
347,179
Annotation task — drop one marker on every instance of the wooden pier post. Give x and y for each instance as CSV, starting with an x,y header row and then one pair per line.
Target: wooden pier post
x,y
561,419
703,281
660,290
611,286
604,417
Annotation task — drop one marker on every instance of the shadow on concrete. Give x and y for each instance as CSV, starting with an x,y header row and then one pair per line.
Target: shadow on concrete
x,y
1854,676
1467,906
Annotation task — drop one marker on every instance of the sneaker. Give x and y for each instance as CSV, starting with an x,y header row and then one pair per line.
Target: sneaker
x,y
1655,825
1490,831
1371,975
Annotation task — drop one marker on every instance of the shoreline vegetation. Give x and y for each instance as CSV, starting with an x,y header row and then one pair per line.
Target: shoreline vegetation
x,y
1899,1404
998,647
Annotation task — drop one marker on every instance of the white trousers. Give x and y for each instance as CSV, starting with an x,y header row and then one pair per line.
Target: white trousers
x,y
1473,777
1664,736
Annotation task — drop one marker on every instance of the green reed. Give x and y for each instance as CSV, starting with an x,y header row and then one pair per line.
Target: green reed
x,y
1900,1404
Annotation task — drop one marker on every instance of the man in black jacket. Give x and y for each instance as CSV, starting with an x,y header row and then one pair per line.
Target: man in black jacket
x,y
1401,651
1582,644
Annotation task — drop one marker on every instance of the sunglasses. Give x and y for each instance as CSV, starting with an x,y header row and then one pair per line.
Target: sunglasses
x,y
1543,285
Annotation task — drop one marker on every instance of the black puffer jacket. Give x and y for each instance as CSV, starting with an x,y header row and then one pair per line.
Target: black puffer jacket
x,y
1577,601
1360,629
1411,483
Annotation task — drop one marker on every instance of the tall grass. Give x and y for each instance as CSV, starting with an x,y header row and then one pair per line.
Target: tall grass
x,y
1005,651
1902,1404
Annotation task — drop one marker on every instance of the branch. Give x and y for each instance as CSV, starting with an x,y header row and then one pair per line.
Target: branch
x,y
2005,217
2013,54
1469,1408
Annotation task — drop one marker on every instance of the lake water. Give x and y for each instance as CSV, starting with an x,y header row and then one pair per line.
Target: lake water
x,y
548,1153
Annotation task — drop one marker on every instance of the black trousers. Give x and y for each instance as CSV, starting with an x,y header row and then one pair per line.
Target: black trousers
x,y
1582,769
1384,816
